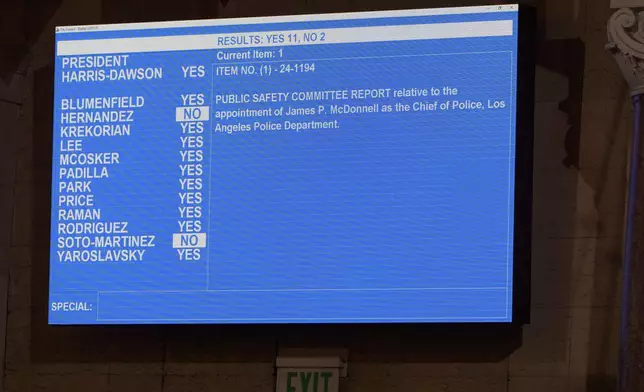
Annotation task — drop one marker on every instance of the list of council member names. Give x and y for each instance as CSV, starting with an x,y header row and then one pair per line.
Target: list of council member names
x,y
94,131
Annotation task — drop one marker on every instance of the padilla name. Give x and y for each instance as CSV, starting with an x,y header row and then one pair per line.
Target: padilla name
x,y
89,173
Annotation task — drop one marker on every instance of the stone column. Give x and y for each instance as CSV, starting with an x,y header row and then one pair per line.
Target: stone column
x,y
626,43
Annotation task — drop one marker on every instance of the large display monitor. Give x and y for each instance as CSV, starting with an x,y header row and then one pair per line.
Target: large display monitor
x,y
335,168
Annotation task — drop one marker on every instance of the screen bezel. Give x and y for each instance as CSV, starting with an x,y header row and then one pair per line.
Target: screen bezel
x,y
522,202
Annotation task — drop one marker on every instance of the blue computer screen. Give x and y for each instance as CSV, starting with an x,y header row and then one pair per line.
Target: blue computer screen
x,y
336,168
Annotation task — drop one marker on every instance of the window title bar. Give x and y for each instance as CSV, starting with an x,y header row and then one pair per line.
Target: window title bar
x,y
288,18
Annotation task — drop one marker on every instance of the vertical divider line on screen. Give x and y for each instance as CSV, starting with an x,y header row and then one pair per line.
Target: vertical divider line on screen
x,y
510,187
210,133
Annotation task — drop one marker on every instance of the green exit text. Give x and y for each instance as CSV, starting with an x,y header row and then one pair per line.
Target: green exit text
x,y
308,381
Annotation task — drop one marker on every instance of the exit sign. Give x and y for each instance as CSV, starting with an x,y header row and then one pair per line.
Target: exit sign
x,y
308,380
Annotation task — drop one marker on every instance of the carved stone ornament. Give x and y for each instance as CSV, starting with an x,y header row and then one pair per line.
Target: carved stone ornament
x,y
626,44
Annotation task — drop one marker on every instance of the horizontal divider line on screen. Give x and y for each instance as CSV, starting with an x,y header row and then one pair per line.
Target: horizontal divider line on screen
x,y
302,290
417,319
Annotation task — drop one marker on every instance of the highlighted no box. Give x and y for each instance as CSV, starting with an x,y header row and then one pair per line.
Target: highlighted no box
x,y
193,113
189,240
